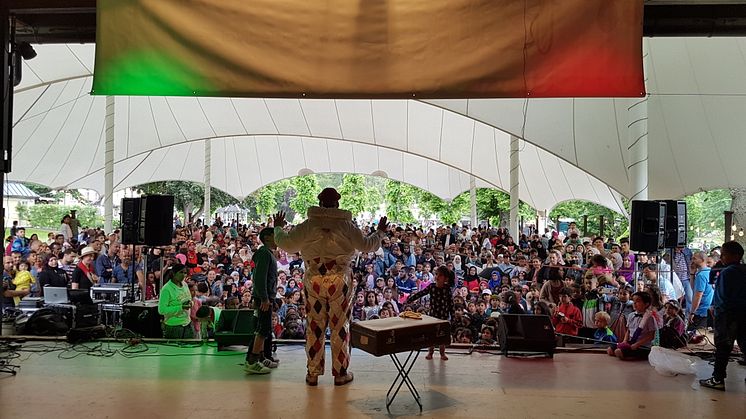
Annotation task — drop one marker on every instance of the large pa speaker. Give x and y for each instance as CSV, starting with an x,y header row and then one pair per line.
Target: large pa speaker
x,y
129,217
525,333
675,224
647,228
156,219
143,319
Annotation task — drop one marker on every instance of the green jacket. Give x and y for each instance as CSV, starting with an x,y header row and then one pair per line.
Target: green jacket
x,y
170,301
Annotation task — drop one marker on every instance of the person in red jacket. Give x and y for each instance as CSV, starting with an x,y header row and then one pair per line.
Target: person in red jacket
x,y
567,318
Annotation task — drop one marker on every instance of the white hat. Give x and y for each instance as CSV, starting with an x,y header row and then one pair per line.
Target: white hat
x,y
88,250
486,291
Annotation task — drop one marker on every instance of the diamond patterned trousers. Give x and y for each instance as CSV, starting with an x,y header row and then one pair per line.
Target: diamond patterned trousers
x,y
328,304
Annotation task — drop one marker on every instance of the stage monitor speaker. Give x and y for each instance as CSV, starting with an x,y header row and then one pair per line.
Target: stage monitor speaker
x,y
648,226
675,224
156,219
235,327
129,218
525,333
143,319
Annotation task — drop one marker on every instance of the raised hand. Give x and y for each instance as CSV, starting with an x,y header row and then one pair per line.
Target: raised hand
x,y
383,224
279,219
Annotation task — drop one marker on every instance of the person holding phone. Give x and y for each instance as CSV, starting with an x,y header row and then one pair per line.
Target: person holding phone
x,y
174,305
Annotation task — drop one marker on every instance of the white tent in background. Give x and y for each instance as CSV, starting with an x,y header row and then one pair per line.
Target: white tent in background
x,y
59,137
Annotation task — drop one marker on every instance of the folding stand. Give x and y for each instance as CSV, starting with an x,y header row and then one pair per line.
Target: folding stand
x,y
403,378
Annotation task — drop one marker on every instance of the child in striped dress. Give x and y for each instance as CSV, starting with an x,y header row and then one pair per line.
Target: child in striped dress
x,y
441,302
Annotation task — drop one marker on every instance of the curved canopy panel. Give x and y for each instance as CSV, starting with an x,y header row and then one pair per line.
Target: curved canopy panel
x,y
697,99
59,142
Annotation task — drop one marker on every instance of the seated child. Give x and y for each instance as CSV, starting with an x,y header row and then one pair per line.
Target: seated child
x,y
603,333
463,335
672,334
567,318
23,280
641,327
487,336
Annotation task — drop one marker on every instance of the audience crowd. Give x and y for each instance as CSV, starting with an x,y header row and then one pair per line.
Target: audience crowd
x,y
593,289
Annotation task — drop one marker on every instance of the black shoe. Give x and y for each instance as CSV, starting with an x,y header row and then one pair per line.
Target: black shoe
x,y
713,384
742,362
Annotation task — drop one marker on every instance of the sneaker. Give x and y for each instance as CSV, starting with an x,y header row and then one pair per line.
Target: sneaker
x,y
256,368
713,383
269,363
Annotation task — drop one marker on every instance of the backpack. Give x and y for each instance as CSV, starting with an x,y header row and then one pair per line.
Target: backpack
x,y
47,322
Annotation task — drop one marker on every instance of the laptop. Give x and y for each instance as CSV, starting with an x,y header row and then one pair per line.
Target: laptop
x,y
55,295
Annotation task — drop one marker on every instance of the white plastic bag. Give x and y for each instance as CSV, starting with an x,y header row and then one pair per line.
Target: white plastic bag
x,y
669,362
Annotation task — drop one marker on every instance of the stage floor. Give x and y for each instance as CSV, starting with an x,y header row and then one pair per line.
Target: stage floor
x,y
200,383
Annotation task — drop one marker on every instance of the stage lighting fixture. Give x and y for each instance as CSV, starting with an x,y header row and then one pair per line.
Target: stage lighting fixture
x,y
26,51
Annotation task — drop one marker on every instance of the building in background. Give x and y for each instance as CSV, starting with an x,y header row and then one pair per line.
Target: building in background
x,y
15,194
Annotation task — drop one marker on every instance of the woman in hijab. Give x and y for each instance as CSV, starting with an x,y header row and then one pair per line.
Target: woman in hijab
x,y
458,268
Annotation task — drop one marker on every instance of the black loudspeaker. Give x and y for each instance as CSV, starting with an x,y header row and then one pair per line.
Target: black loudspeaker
x,y
675,224
648,226
525,333
143,319
156,219
235,327
129,218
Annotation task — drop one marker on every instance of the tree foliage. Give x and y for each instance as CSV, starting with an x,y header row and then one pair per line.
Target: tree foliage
x,y
306,194
615,225
188,196
494,205
271,198
399,199
448,212
50,215
704,211
354,197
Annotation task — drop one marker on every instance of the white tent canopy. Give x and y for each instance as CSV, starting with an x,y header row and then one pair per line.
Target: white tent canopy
x,y
59,137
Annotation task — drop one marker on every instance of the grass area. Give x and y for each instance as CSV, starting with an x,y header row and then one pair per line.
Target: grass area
x,y
42,233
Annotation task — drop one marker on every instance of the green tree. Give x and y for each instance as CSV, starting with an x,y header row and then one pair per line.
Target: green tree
x,y
354,196
399,199
704,211
307,190
448,212
375,190
188,196
270,198
615,225
50,215
493,205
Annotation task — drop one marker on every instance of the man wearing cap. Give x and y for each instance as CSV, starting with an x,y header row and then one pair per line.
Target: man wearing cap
x,y
328,240
174,304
